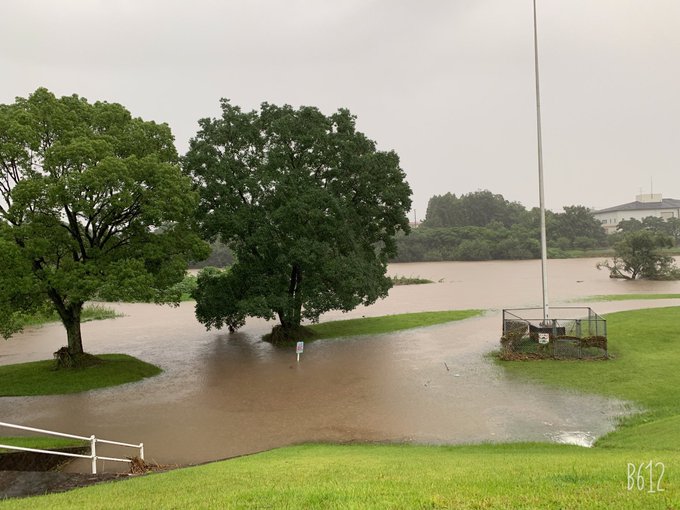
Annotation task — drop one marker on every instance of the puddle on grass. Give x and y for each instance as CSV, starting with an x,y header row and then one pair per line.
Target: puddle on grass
x,y
576,438
222,395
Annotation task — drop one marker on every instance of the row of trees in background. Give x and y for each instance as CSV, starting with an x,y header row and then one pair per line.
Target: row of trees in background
x,y
484,226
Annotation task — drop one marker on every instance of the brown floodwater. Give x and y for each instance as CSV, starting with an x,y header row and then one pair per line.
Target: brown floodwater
x,y
222,395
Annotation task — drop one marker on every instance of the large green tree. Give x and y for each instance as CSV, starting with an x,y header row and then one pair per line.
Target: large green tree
x,y
639,255
308,206
92,201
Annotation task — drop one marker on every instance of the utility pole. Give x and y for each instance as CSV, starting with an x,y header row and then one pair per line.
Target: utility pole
x,y
544,248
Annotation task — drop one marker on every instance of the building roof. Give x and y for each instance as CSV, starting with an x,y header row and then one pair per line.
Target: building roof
x,y
666,203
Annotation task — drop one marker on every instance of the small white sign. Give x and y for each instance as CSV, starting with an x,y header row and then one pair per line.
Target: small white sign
x,y
299,347
543,338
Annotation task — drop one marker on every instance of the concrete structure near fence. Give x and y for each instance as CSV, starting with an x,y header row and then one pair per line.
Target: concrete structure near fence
x,y
643,207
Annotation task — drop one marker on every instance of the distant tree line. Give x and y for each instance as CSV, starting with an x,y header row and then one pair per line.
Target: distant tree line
x,y
483,226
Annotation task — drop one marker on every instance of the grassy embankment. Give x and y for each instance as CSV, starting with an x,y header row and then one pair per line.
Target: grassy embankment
x,y
387,323
39,377
40,443
628,297
377,325
90,313
408,280
557,253
647,349
370,476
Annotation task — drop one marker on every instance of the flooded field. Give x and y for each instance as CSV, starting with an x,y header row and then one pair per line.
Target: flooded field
x,y
222,395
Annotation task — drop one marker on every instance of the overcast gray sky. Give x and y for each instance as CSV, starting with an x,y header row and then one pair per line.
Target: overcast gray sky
x,y
447,84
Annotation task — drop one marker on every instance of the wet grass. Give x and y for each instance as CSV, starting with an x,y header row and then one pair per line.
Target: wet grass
x,y
629,297
40,378
398,476
90,313
409,280
40,443
387,323
645,345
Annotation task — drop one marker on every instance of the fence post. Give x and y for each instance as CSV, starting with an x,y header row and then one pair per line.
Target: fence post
x,y
93,446
141,451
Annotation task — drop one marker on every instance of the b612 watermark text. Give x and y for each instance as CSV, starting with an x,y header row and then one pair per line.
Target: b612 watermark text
x,y
646,476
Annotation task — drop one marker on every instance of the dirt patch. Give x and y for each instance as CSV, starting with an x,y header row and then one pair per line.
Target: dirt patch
x,y
14,484
30,461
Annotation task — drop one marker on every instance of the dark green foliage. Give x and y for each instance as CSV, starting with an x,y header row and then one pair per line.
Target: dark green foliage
x,y
409,280
92,201
669,227
217,296
639,255
477,209
484,226
578,227
308,206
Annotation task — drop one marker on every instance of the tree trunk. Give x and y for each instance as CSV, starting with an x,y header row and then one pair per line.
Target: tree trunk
x,y
72,325
70,318
291,317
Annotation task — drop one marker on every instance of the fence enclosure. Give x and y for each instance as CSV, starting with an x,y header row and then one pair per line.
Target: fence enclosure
x,y
571,333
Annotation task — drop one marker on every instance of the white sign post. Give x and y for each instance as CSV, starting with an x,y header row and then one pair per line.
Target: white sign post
x,y
299,348
543,338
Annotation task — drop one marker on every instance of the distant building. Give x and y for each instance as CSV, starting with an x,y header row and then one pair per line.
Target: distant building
x,y
644,206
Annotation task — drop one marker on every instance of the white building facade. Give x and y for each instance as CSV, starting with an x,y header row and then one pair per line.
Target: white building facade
x,y
644,206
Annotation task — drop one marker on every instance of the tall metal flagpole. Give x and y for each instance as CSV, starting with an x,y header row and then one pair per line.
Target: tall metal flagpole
x,y
544,249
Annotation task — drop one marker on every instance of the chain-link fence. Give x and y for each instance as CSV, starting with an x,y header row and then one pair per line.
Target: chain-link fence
x,y
570,333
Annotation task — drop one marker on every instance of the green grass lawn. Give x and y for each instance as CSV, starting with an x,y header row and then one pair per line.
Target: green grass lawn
x,y
40,443
90,313
398,477
387,323
409,280
645,345
628,297
39,378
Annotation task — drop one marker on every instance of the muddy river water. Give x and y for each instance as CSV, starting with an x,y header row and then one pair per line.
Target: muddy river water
x,y
222,395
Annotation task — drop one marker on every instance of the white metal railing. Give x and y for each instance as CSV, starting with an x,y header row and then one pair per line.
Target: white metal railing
x,y
92,440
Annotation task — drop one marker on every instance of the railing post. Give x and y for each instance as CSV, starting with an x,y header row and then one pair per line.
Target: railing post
x,y
141,451
93,446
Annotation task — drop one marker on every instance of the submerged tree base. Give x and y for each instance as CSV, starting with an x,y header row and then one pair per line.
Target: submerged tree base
x,y
64,359
286,335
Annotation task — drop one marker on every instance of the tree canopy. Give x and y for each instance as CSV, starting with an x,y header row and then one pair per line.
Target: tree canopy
x,y
476,209
669,227
639,255
307,204
92,201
